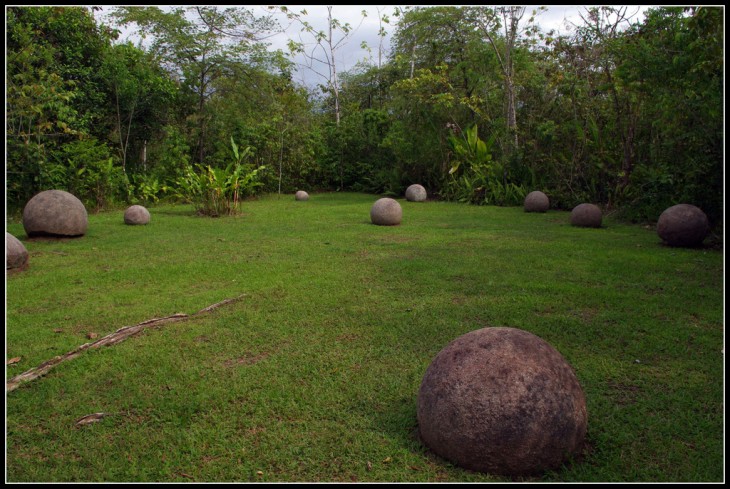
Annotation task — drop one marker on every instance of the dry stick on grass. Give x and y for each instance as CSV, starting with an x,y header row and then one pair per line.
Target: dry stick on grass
x,y
111,339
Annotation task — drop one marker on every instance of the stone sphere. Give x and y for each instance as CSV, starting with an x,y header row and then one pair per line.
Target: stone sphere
x,y
416,193
386,212
16,256
586,215
536,201
136,214
301,195
55,213
683,225
502,401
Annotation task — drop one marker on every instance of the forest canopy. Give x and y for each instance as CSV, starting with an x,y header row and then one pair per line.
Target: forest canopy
x,y
478,104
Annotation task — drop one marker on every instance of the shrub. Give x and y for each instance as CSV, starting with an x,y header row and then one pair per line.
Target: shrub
x,y
217,191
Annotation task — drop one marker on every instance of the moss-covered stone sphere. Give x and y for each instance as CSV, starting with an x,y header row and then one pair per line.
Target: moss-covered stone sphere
x,y
536,201
55,213
586,216
416,193
386,212
502,401
683,225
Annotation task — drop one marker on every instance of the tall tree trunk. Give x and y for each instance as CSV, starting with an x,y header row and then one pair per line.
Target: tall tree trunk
x,y
511,17
333,67
201,118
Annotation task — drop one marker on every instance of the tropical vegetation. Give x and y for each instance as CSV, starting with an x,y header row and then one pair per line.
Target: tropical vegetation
x,y
627,114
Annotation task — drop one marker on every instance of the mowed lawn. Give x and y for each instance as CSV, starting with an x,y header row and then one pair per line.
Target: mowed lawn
x,y
313,374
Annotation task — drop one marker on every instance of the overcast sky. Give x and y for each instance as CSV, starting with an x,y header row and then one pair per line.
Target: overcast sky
x,y
366,30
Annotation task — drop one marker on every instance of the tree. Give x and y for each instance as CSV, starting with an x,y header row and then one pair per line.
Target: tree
x,y
54,96
320,50
488,21
673,61
136,85
198,45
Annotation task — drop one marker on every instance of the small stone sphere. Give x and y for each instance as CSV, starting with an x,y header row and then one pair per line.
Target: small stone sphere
x,y
502,401
301,195
536,201
136,214
55,213
16,256
586,216
416,193
386,212
683,225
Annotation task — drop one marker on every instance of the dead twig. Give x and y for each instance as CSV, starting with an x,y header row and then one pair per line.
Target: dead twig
x,y
111,339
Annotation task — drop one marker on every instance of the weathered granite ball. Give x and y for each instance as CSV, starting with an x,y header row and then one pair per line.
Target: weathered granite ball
x,y
502,401
683,225
55,213
536,201
301,195
586,215
386,212
416,193
136,214
16,256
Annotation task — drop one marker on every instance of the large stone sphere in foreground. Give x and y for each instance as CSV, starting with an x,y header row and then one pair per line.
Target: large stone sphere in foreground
x,y
416,193
586,216
16,257
683,225
136,214
386,212
502,401
536,201
55,213
301,195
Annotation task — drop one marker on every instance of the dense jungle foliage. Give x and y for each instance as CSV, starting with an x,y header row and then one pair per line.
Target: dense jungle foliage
x,y
469,102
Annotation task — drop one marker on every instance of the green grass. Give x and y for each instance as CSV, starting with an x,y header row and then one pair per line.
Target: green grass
x,y
313,375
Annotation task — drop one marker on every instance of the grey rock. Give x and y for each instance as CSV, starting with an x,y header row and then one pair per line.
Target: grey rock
x,y
683,225
136,214
301,195
502,401
55,213
536,201
386,212
416,193
586,215
16,256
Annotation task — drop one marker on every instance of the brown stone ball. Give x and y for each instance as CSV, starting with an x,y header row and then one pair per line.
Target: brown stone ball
x,y
55,213
586,215
301,195
416,193
136,215
537,201
502,401
16,256
683,225
386,212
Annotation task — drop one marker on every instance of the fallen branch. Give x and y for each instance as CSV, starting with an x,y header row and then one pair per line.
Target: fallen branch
x,y
111,339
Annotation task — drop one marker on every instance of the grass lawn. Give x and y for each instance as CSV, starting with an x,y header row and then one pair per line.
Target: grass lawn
x,y
313,374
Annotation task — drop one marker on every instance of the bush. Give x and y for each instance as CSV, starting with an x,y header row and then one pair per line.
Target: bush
x,y
86,169
215,191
